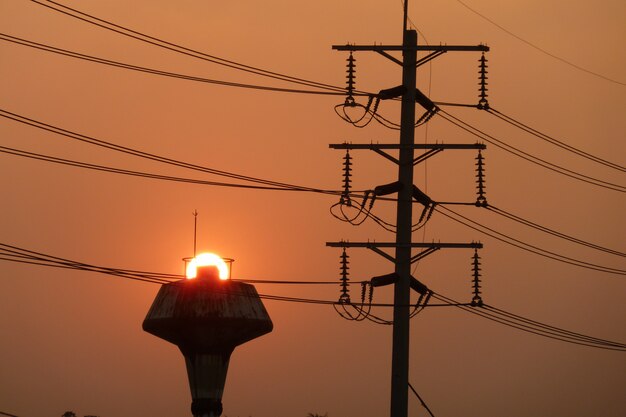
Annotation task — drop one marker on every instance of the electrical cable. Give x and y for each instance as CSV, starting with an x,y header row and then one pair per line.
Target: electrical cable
x,y
526,156
130,151
13,253
552,232
537,328
526,246
118,64
108,25
510,120
103,168
76,136
490,232
571,64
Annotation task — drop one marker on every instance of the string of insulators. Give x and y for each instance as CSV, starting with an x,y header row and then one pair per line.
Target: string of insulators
x,y
347,180
481,200
344,297
425,118
483,104
350,80
363,289
477,300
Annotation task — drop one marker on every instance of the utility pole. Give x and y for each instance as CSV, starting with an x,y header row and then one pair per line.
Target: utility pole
x,y
402,290
407,195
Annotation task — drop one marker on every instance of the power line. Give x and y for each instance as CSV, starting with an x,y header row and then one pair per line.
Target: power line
x,y
118,64
338,90
278,187
385,122
16,254
271,185
150,156
540,329
102,168
20,255
552,140
58,7
532,45
490,232
526,156
524,246
518,219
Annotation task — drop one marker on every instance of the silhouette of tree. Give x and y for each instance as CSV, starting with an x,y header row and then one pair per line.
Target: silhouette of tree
x,y
316,415
69,414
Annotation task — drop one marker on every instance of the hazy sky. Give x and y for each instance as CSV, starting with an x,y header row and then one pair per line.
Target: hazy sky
x,y
72,340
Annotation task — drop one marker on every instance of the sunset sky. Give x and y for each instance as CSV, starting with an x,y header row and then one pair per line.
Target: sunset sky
x,y
72,340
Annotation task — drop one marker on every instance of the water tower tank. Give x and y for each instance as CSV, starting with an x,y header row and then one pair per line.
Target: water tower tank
x,y
207,318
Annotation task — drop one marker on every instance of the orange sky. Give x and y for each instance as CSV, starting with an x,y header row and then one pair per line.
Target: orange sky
x,y
73,341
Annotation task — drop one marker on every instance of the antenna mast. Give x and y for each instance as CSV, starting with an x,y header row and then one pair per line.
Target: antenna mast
x,y
195,228
406,15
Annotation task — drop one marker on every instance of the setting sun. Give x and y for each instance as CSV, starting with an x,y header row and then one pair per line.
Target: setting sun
x,y
207,259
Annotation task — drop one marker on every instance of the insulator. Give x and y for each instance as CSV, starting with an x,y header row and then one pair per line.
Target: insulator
x,y
363,288
476,299
481,200
483,104
344,296
350,80
347,174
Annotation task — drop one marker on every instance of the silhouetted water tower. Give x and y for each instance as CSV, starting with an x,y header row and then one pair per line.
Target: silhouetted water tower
x,y
207,317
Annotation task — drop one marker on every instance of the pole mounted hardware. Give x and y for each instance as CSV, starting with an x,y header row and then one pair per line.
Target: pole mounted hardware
x,y
428,247
406,192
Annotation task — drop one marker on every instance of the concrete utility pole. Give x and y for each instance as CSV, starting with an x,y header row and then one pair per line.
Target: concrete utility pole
x,y
402,290
407,195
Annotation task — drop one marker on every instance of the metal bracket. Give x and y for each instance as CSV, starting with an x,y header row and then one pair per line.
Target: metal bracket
x,y
428,57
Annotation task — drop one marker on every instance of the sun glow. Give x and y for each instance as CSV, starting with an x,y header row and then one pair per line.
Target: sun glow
x,y
207,259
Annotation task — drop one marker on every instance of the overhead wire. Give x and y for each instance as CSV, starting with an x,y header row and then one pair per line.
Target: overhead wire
x,y
17,254
150,156
466,221
536,226
526,156
534,327
532,45
174,47
142,174
385,122
58,160
118,64
338,90
526,128
523,245
21,255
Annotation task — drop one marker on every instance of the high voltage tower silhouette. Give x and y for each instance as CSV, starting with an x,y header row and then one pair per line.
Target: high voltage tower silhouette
x,y
407,193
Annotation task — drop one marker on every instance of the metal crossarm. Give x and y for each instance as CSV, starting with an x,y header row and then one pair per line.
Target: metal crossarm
x,y
430,48
428,247
433,149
